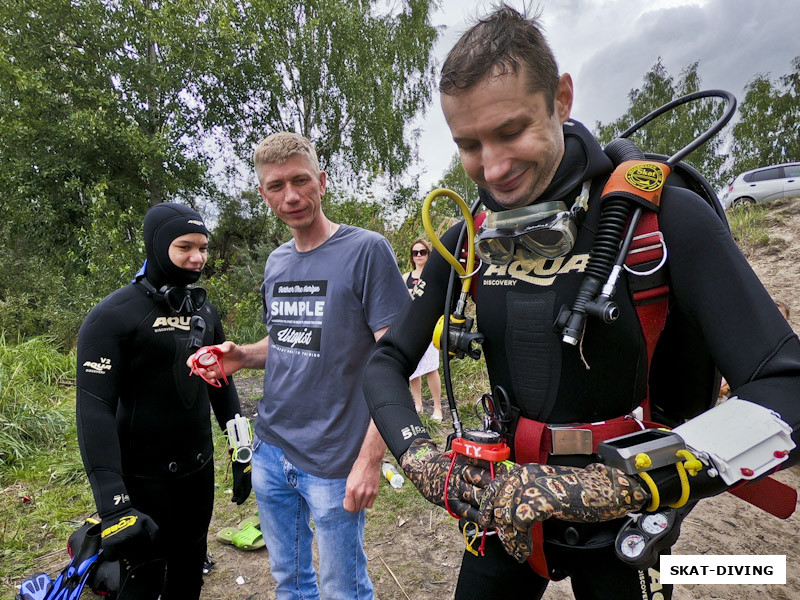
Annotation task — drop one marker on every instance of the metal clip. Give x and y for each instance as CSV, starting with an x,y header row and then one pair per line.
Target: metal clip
x,y
571,441
661,244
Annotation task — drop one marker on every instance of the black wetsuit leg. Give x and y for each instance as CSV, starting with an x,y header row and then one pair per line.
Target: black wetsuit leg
x,y
497,576
595,574
183,525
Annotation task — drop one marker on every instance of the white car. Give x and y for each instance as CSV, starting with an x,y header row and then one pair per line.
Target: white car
x,y
763,185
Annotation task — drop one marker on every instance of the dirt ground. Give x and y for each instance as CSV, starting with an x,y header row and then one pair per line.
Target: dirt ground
x,y
418,554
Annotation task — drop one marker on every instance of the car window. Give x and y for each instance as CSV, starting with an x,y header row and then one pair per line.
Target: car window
x,y
766,174
792,170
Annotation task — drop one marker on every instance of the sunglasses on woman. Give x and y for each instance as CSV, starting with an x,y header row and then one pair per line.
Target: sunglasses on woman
x,y
419,253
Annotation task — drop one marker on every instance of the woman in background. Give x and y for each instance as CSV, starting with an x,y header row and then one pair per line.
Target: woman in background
x,y
429,364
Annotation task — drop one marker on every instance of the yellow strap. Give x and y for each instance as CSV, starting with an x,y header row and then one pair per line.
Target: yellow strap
x,y
470,541
656,498
693,466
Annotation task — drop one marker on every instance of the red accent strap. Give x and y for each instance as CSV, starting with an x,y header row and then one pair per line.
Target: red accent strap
x,y
537,560
447,484
652,305
533,443
769,495
528,442
533,440
528,449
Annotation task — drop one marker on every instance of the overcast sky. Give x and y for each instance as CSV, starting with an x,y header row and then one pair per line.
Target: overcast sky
x,y
608,45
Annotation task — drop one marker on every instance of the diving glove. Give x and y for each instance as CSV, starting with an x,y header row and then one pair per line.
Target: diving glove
x,y
427,469
529,493
241,481
127,533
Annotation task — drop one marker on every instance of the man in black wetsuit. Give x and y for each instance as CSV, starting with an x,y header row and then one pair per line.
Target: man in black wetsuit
x,y
508,110
144,425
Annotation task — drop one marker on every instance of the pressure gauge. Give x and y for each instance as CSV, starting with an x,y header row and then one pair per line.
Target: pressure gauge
x,y
643,537
655,523
632,545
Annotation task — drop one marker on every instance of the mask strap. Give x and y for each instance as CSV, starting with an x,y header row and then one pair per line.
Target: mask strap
x,y
581,204
157,295
191,299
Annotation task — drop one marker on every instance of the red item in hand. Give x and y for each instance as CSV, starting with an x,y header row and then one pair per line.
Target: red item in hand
x,y
205,357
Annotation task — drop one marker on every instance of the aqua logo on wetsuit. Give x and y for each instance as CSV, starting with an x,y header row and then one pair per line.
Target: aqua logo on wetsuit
x,y
171,324
99,368
540,271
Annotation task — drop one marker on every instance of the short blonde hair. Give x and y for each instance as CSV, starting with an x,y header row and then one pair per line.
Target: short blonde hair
x,y
278,147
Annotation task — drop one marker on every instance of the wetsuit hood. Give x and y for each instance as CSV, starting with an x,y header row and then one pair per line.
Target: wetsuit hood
x,y
162,224
583,160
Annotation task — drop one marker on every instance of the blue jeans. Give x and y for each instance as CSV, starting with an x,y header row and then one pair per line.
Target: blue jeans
x,y
287,499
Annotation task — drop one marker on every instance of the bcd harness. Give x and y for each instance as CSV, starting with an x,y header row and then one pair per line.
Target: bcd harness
x,y
627,238
639,182
536,441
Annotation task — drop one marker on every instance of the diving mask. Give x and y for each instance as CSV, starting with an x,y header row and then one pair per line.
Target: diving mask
x,y
185,300
543,230
180,300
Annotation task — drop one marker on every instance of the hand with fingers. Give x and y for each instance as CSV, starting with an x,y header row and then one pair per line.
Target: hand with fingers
x,y
530,493
127,533
452,481
213,363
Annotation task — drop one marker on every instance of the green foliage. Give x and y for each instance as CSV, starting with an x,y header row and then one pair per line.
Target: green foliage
x,y
107,108
34,412
43,488
456,179
768,131
444,212
674,130
347,75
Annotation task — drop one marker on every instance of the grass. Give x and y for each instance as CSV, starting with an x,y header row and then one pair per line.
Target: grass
x,y
749,224
44,494
35,379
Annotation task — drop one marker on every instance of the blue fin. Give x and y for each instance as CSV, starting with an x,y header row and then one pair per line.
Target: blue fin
x,y
35,588
70,582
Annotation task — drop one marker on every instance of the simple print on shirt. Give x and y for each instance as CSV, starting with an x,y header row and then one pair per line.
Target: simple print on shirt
x,y
296,313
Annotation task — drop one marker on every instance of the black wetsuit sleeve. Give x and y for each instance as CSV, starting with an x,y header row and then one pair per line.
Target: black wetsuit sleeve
x,y
100,368
224,400
751,343
398,352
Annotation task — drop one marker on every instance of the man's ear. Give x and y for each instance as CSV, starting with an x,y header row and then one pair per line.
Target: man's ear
x,y
564,97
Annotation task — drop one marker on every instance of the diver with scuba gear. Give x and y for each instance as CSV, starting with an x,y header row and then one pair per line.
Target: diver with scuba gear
x,y
559,508
144,425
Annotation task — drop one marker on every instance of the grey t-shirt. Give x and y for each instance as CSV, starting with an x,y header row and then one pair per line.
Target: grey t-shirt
x,y
321,309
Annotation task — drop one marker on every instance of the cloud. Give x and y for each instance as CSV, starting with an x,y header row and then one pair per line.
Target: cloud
x,y
732,40
609,45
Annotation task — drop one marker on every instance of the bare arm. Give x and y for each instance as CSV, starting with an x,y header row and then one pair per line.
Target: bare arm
x,y
235,357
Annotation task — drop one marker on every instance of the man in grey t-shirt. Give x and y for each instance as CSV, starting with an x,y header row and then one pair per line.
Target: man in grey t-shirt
x,y
329,293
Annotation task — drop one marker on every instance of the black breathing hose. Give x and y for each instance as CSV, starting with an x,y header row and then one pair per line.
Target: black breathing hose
x,y
445,339
610,229
607,250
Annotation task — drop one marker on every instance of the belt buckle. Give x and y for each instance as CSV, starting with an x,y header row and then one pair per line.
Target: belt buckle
x,y
571,441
